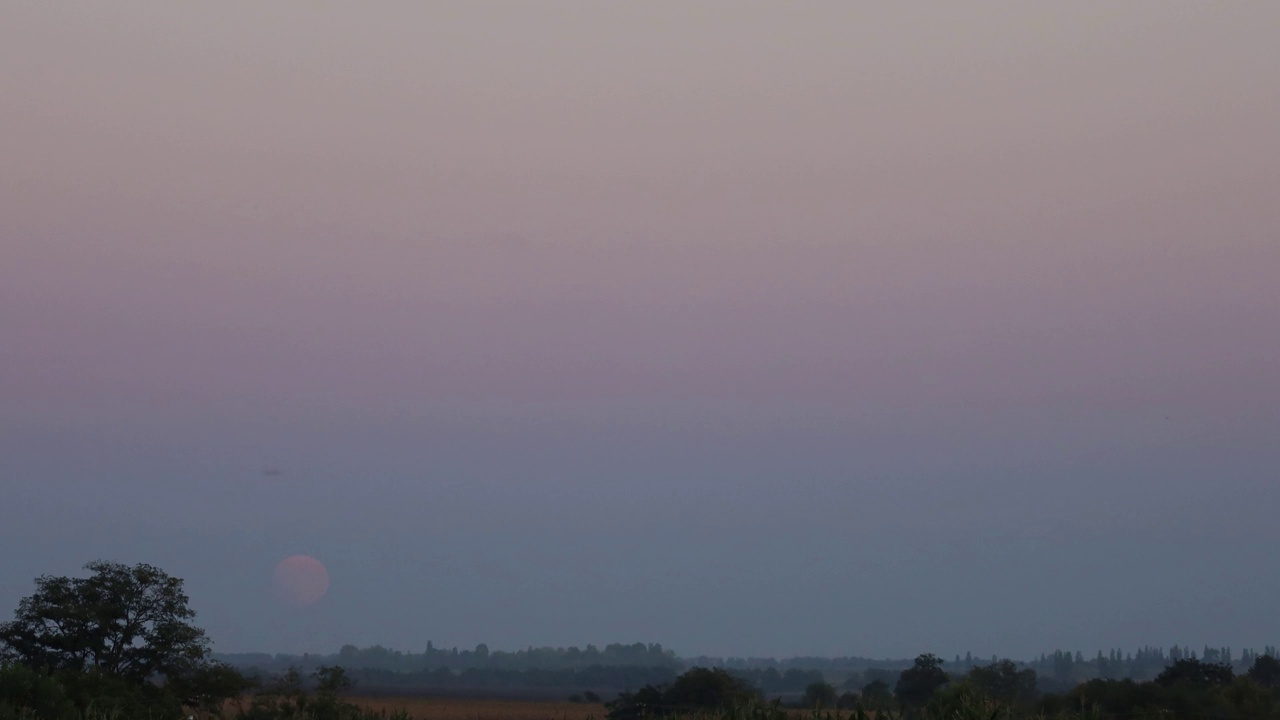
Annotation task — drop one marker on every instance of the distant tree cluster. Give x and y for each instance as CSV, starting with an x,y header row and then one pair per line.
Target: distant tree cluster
x,y
473,680
377,657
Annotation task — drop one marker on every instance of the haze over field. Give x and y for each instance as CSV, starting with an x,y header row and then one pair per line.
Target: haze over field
x,y
742,327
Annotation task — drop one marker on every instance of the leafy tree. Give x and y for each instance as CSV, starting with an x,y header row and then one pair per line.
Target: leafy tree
x,y
330,680
127,622
645,702
820,695
119,641
876,695
708,688
917,683
698,689
1248,699
1196,673
1265,671
1004,681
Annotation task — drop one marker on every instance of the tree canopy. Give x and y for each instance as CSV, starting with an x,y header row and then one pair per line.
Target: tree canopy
x,y
1004,680
1266,671
698,689
917,683
128,622
1196,673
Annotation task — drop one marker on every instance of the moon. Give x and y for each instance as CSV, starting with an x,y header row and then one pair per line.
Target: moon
x,y
300,580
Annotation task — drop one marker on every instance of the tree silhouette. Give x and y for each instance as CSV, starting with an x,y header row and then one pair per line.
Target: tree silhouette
x,y
1265,671
128,622
917,683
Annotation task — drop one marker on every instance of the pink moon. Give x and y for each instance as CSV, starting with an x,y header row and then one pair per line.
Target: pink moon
x,y
300,580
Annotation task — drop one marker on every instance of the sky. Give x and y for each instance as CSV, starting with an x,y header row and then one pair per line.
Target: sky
x,y
749,328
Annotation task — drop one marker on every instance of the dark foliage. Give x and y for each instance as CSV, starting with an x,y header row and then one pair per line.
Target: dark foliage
x,y
119,641
1004,681
126,622
1265,672
34,691
1194,673
699,689
917,683
819,696
876,695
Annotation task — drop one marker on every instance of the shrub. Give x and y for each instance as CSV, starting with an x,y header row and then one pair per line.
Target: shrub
x,y
35,692
699,689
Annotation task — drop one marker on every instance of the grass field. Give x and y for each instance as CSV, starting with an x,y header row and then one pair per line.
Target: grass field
x,y
421,708
444,708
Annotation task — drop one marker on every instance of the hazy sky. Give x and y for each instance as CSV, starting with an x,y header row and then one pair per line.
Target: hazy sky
x,y
744,327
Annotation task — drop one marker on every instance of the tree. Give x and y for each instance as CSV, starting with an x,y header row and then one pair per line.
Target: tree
x,y
1004,681
820,695
127,622
330,680
1193,672
876,695
1265,671
209,686
708,688
917,683
699,689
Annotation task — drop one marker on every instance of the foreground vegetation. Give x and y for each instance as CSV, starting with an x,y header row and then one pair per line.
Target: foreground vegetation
x,y
1190,689
119,644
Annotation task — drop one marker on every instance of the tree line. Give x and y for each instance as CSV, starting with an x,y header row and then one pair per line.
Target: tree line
x,y
1188,689
618,665
121,643
377,657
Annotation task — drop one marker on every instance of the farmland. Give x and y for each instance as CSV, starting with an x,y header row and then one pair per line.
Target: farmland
x,y
442,708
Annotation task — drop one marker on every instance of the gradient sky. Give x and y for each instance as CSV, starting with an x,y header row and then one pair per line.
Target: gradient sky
x,y
744,327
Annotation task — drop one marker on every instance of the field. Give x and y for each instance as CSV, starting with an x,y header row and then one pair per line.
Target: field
x,y
446,708
422,708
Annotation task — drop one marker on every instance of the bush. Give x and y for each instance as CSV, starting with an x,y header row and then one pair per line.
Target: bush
x,y
917,683
1266,672
876,695
1004,681
698,690
819,695
1194,673
35,692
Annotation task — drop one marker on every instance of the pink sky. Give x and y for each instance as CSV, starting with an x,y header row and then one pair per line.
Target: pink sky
x,y
574,202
